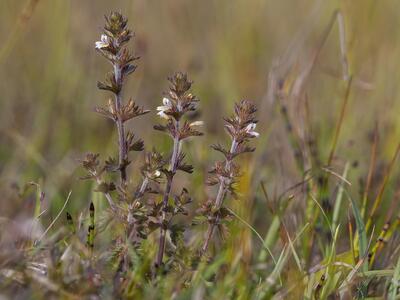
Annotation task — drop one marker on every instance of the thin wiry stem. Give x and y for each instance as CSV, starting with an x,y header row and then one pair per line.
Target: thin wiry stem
x,y
343,49
370,171
172,169
54,221
223,186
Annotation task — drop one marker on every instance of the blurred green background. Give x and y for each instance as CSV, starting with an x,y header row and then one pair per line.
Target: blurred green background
x,y
49,70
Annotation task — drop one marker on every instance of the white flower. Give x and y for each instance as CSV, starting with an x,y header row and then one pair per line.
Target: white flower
x,y
197,123
167,105
157,173
163,115
250,130
162,109
166,101
103,43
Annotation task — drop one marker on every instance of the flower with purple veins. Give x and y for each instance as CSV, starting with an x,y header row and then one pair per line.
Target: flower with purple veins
x,y
103,43
250,130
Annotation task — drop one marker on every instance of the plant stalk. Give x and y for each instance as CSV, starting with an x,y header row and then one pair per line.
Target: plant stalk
x,y
120,124
172,168
219,200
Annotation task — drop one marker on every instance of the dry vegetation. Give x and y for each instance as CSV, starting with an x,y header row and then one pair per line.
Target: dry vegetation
x,y
292,195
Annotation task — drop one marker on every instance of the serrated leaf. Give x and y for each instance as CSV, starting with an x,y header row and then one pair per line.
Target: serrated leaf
x,y
111,165
137,146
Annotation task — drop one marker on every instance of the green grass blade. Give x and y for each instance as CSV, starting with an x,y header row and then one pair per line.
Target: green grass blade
x,y
362,241
395,284
338,202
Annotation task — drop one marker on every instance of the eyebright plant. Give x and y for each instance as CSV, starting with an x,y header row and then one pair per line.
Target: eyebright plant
x,y
112,46
240,128
178,102
126,207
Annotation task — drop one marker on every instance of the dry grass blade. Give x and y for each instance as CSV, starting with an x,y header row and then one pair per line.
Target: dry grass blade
x,y
385,180
370,170
339,123
55,219
256,233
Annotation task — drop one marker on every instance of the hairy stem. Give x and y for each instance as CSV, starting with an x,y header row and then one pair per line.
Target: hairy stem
x,y
172,168
143,187
120,124
219,200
